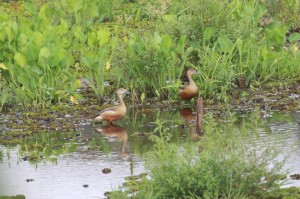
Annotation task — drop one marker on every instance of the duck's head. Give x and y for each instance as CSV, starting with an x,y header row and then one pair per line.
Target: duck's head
x,y
191,72
122,91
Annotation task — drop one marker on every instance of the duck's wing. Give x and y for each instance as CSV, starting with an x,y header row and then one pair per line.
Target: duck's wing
x,y
182,87
110,110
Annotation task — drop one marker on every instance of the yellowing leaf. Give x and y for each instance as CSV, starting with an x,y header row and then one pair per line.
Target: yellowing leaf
x,y
107,65
74,100
3,66
103,36
20,59
77,83
143,97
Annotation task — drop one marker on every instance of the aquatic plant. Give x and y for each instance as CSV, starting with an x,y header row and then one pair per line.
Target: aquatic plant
x,y
227,162
37,58
47,146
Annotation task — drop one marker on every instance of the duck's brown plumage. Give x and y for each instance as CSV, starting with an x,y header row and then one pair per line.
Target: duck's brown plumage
x,y
190,90
116,112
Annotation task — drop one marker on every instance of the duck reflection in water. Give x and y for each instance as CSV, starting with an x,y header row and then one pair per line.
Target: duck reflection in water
x,y
190,117
118,132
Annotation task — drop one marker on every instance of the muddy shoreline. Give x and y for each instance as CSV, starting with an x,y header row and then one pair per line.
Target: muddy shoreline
x,y
17,122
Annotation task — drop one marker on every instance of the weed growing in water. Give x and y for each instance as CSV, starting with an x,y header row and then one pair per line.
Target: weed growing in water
x,y
228,162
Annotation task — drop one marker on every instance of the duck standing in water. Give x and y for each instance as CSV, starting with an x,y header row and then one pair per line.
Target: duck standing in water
x,y
114,113
190,90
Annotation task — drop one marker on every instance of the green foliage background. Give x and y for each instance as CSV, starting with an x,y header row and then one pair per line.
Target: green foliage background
x,y
46,47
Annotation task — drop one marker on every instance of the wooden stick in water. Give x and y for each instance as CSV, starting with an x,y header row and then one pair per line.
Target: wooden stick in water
x,y
199,110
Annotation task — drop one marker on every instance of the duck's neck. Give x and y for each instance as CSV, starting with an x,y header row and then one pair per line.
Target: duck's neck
x,y
191,81
121,100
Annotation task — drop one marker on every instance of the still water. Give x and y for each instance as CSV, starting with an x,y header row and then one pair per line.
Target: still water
x,y
121,147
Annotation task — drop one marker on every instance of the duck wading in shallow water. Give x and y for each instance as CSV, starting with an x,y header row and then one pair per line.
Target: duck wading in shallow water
x,y
190,90
114,113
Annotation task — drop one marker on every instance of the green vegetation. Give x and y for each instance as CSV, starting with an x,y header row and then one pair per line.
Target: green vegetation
x,y
230,160
48,46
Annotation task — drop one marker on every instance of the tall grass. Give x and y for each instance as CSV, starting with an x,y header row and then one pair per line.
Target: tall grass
x,y
154,65
229,161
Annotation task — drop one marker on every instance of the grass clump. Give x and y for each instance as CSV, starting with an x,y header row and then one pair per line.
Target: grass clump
x,y
228,162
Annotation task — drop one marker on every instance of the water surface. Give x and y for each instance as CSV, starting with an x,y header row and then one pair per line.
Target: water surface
x,y
120,148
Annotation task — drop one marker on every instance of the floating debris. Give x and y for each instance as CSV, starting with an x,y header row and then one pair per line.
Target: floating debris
x,y
106,170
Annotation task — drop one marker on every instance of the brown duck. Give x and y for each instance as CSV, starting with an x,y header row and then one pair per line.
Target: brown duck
x,y
190,90
114,113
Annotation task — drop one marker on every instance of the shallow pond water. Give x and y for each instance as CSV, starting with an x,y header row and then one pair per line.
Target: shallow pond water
x,y
77,173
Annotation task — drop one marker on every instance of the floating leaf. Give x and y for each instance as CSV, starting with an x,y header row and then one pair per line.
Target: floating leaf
x,y
20,59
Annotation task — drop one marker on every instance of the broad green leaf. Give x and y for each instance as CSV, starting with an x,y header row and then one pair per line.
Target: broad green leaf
x,y
280,35
93,10
9,33
20,59
294,37
103,36
226,45
188,51
209,32
38,38
92,38
62,28
75,5
43,10
30,8
44,53
180,45
32,52
157,39
36,69
58,56
259,11
23,39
